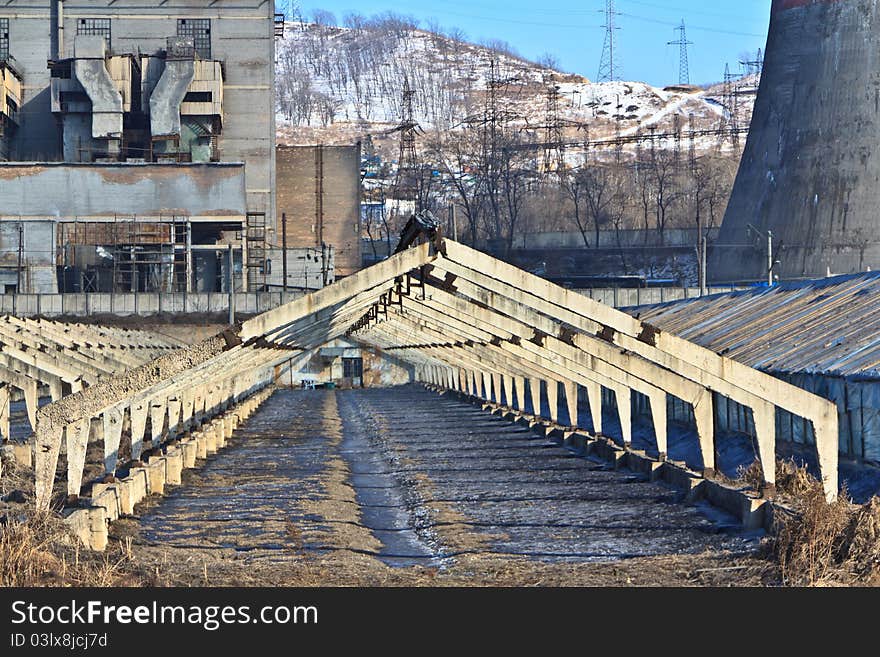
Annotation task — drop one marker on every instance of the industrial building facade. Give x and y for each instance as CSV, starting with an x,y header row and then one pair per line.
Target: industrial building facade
x,y
142,136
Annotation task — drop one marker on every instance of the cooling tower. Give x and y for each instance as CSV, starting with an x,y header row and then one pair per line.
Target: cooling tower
x,y
810,172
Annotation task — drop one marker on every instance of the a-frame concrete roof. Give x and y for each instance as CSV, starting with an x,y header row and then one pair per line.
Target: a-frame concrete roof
x,y
465,321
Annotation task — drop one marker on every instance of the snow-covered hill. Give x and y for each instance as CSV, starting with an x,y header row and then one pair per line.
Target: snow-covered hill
x,y
339,84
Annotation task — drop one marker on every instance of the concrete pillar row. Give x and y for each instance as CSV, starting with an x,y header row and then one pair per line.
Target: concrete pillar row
x,y
487,386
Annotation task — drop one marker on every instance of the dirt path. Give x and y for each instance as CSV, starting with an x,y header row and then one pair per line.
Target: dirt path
x,y
405,487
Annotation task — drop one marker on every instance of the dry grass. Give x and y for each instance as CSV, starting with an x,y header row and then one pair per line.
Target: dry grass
x,y
39,550
822,544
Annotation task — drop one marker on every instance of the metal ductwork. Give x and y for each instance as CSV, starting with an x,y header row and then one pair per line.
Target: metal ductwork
x,y
171,88
811,165
91,72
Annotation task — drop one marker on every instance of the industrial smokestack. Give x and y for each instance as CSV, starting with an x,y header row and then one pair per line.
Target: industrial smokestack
x,y
810,172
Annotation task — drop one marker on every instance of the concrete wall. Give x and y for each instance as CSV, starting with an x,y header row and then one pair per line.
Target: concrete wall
x,y
37,256
242,37
141,304
608,239
214,191
335,220
307,268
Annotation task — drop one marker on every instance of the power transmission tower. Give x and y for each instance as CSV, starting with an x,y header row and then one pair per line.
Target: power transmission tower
x,y
731,104
554,150
608,68
407,182
684,76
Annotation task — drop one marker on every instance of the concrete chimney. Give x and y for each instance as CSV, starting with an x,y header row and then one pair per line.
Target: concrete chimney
x,y
810,173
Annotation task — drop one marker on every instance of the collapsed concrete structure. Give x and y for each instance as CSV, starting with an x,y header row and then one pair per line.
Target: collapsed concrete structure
x,y
463,321
810,167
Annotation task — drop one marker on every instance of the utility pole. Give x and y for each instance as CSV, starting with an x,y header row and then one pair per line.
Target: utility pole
x,y
284,250
684,76
20,253
608,70
453,222
230,281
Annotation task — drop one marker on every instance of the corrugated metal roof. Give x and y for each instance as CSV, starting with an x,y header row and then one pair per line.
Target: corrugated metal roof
x,y
826,326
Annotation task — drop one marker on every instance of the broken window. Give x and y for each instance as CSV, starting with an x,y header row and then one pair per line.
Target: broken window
x,y
199,30
352,368
94,26
4,39
197,97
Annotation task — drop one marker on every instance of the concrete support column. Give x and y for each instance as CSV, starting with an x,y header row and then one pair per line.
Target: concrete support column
x,y
571,402
496,388
47,445
4,410
519,383
508,390
55,391
174,406
765,427
487,386
31,402
594,397
157,421
827,447
553,399
623,396
77,435
658,416
535,393
186,411
704,415
112,420
138,413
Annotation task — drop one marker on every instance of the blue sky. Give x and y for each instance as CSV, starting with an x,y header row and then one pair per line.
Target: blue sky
x,y
572,32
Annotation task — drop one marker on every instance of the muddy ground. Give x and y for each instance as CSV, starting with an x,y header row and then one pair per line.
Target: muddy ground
x,y
406,487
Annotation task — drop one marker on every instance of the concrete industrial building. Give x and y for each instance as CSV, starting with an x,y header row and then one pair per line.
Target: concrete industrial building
x,y
142,135
810,167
